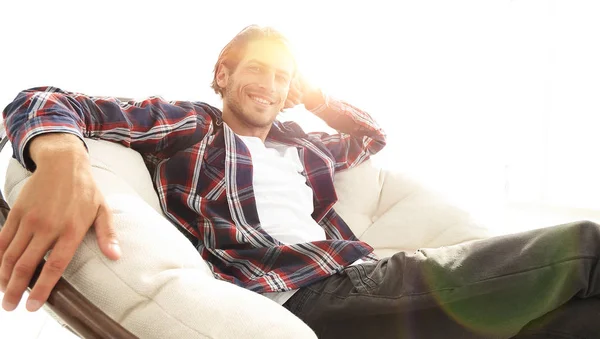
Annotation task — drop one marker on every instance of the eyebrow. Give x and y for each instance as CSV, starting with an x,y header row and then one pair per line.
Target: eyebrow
x,y
255,61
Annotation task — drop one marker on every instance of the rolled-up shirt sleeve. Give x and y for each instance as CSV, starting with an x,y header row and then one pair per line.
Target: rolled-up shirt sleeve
x,y
152,125
358,137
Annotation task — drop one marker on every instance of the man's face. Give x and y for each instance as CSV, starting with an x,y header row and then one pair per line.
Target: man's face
x,y
256,91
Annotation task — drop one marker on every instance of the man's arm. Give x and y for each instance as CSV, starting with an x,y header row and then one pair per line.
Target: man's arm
x,y
359,135
60,200
149,126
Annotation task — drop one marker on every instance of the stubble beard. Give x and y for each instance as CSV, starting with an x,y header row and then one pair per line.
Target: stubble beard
x,y
235,107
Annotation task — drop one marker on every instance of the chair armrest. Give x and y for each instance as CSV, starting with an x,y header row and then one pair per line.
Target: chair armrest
x,y
79,314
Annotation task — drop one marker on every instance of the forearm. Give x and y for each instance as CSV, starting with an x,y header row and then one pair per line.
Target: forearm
x,y
342,116
149,126
58,149
359,135
351,120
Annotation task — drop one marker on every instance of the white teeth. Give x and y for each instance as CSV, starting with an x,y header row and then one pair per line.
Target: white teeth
x,y
260,100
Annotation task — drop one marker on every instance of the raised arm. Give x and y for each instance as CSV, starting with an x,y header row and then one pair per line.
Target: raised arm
x,y
358,135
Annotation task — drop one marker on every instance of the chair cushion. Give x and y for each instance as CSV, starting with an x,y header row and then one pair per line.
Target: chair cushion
x,y
393,212
160,288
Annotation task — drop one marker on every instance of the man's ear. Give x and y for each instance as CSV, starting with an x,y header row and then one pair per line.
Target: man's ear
x,y
222,76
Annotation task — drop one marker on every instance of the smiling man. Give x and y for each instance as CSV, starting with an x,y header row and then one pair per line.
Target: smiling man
x,y
254,85
255,196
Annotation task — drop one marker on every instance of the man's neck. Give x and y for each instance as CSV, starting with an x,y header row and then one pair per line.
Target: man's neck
x,y
242,128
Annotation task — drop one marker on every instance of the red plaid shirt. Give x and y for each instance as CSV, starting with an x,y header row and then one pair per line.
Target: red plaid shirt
x,y
203,176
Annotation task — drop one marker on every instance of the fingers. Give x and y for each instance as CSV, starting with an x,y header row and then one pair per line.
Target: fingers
x,y
6,236
288,104
292,100
106,234
13,268
296,101
55,266
23,270
63,252
294,96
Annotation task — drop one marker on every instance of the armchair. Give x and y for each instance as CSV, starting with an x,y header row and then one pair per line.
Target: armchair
x,y
161,288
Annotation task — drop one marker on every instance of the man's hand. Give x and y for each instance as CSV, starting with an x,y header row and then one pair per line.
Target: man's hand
x,y
54,210
303,92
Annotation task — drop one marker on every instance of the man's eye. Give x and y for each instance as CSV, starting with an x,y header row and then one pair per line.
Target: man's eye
x,y
255,69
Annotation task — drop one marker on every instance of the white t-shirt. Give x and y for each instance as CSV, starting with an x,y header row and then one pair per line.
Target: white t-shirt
x,y
283,199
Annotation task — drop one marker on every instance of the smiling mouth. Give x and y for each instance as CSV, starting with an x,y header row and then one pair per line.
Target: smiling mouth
x,y
260,100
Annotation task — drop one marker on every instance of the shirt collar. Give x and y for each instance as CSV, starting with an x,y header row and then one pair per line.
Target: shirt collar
x,y
284,132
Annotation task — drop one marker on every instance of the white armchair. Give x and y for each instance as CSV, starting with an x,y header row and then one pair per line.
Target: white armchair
x,y
161,288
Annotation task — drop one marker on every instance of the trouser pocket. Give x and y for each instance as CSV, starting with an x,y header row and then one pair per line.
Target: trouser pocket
x,y
378,278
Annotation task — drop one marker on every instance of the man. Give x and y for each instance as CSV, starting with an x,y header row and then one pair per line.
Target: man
x,y
255,197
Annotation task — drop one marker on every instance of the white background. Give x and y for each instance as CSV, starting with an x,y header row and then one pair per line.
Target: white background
x,y
491,101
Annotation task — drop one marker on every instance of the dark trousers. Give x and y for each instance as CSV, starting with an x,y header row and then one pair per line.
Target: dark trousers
x,y
538,284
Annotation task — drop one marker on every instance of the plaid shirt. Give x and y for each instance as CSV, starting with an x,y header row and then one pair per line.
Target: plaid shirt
x,y
202,173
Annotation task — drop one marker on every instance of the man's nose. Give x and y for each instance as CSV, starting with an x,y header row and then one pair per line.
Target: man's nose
x,y
268,81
